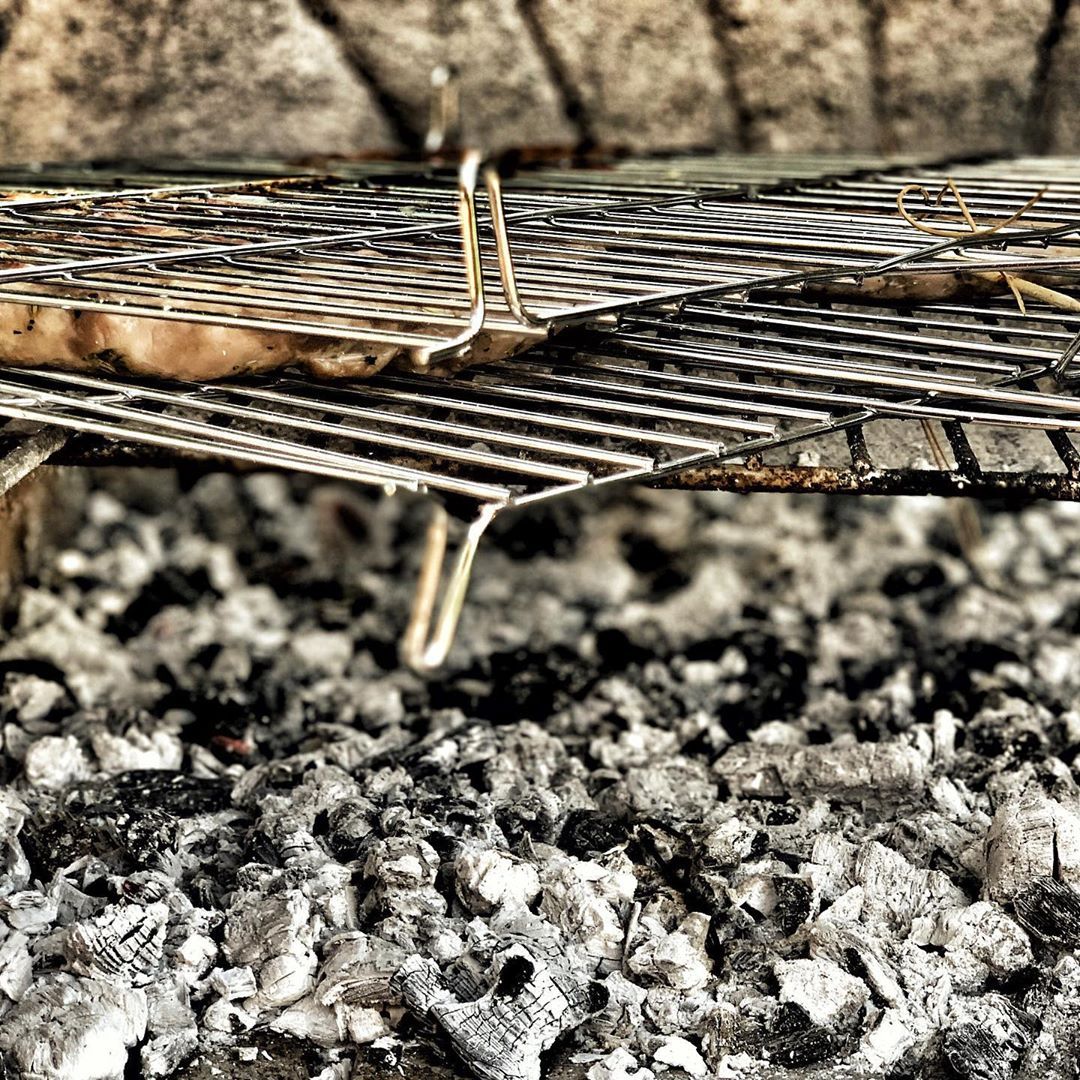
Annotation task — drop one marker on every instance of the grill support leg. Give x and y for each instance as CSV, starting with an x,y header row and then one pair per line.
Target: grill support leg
x,y
422,648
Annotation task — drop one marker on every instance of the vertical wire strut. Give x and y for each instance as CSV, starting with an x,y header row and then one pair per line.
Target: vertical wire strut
x,y
468,172
507,273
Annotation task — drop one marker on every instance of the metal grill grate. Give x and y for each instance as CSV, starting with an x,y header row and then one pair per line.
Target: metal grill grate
x,y
725,379
384,260
691,376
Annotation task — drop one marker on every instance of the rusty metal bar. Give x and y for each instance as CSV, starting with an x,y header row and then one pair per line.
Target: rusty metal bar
x,y
843,481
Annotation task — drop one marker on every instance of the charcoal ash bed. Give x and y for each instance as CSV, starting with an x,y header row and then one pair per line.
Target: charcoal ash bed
x,y
785,791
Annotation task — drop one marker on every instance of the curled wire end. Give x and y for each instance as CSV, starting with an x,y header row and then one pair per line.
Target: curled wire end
x,y
973,228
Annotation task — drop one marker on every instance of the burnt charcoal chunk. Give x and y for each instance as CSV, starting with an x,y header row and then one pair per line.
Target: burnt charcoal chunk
x,y
57,842
793,903
135,812
972,1053
955,673
796,1041
778,688
529,816
383,1058
517,683
618,652
516,974
991,1048
665,849
260,850
146,838
547,529
349,831
143,790
1050,910
1069,620
166,588
598,996
657,565
782,815
643,553
590,832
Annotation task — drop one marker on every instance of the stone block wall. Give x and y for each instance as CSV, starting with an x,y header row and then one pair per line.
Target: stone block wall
x,y
125,77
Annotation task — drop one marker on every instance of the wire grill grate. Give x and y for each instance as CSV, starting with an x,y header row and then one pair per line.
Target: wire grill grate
x,y
701,354
379,258
721,378
725,380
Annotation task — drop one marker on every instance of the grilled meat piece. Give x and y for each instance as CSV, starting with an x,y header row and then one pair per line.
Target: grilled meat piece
x,y
35,336
85,340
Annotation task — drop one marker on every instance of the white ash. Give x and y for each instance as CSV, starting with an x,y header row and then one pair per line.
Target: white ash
x,y
123,944
742,787
502,1034
66,1027
1032,835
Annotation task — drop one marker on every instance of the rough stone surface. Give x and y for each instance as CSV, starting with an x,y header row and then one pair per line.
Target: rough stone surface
x,y
957,75
802,73
507,94
647,74
37,508
293,76
1061,120
190,77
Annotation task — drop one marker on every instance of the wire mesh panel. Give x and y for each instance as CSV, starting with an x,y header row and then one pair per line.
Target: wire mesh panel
x,y
749,357
381,256
722,381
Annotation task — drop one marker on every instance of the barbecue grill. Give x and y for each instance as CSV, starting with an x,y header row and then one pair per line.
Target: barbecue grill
x,y
659,315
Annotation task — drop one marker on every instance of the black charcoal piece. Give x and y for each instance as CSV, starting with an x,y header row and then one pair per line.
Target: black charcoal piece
x,y
795,1041
913,578
991,1045
589,832
175,793
1050,910
973,1053
793,902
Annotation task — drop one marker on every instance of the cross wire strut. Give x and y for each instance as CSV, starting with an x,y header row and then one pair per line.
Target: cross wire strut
x,y
428,636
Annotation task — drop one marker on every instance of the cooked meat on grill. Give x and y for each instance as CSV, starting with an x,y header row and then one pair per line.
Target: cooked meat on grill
x,y
83,340
35,336
906,287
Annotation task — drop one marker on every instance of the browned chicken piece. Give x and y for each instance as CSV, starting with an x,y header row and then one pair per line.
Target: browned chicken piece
x,y
937,287
38,336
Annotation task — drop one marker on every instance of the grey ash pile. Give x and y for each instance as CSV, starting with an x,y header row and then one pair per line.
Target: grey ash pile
x,y
715,786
